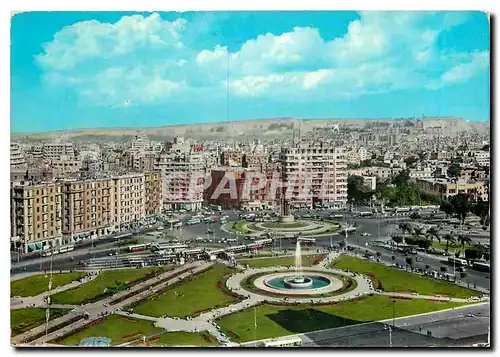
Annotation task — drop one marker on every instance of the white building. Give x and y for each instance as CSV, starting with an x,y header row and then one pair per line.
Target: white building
x,y
59,151
17,159
315,174
182,167
130,198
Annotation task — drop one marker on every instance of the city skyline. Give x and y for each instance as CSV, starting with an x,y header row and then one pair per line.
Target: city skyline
x,y
119,69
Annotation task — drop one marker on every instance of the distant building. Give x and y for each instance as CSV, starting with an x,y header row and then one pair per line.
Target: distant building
x,y
17,159
446,189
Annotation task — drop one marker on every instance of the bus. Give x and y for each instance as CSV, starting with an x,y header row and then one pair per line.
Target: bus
x,y
458,261
254,246
193,221
306,241
237,249
365,214
137,248
283,342
67,248
481,266
191,252
263,241
168,247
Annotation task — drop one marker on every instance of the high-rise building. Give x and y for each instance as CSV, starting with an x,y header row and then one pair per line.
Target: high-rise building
x,y
182,169
129,198
17,160
315,174
88,208
153,193
36,211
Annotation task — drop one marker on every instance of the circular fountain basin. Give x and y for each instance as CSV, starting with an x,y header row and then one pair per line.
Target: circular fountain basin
x,y
289,284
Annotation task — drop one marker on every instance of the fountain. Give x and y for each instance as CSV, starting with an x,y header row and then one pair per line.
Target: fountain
x,y
299,281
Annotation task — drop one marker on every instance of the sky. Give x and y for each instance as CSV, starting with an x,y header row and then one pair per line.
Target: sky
x,y
74,70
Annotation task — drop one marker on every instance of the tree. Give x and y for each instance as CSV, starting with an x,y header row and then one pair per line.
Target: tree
x,y
393,258
481,209
463,239
356,188
410,261
449,240
427,266
397,240
433,233
457,254
418,231
379,254
454,170
401,178
425,243
447,208
405,227
472,253
461,206
410,161
443,269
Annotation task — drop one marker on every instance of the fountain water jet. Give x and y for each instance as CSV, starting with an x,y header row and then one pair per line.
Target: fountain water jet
x,y
298,281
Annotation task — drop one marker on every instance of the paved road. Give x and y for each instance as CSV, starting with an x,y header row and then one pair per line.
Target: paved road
x,y
449,328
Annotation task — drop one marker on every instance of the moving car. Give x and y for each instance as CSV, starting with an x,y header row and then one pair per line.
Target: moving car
x,y
365,234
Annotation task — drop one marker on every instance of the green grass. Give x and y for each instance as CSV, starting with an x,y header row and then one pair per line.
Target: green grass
x,y
240,226
307,261
179,338
37,284
284,225
451,248
107,282
135,240
199,294
119,328
400,281
22,320
276,321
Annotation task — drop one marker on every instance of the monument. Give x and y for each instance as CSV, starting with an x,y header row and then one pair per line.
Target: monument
x,y
285,215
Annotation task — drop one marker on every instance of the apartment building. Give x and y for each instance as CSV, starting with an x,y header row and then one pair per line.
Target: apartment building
x,y
63,167
153,193
59,151
315,174
130,198
231,157
446,189
36,211
182,169
237,188
258,161
17,159
88,208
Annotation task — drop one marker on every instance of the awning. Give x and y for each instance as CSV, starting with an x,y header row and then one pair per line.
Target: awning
x,y
39,245
31,247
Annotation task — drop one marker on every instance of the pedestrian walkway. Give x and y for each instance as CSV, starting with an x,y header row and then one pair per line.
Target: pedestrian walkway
x,y
99,308
40,300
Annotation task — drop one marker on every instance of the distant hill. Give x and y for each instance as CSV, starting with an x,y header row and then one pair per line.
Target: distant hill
x,y
247,128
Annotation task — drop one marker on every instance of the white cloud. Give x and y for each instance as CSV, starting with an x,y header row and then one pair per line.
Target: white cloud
x,y
141,60
477,62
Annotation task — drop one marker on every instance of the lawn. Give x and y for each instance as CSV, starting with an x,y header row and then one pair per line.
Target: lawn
x,y
307,261
107,283
451,248
238,227
396,280
284,225
276,321
119,329
180,338
37,284
22,320
190,297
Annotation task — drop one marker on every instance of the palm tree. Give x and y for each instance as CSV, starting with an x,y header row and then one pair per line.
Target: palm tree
x,y
418,231
405,227
449,239
397,239
463,239
433,233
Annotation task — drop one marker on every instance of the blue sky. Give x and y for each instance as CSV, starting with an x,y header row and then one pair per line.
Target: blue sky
x,y
121,69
